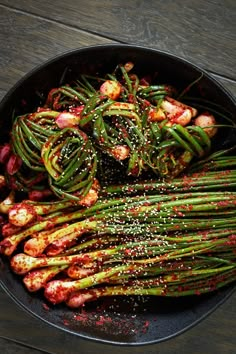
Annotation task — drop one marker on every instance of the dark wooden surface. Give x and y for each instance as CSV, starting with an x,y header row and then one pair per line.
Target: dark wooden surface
x,y
31,31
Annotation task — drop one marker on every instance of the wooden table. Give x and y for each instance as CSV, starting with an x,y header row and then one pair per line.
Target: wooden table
x,y
201,31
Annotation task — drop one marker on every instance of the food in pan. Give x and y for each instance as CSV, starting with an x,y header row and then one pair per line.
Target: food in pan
x,y
113,186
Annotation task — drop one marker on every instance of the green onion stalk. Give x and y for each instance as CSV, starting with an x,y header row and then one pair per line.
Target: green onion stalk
x,y
29,133
79,297
66,96
215,172
137,127
121,129
71,162
155,212
171,234
123,242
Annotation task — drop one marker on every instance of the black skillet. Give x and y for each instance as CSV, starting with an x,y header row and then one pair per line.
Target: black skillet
x,y
129,320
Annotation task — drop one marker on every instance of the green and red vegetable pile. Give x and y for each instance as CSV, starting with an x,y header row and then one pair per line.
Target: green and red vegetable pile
x,y
72,229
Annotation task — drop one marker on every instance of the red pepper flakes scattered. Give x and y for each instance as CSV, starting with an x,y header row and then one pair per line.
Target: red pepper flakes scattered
x,y
145,326
46,307
66,322
103,320
81,317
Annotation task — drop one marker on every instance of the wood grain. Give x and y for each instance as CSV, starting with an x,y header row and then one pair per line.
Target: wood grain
x,y
203,32
27,41
8,346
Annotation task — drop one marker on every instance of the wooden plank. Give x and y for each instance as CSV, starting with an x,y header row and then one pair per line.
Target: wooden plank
x,y
200,31
27,41
11,347
214,335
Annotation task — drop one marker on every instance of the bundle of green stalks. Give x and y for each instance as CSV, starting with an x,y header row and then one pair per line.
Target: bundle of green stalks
x,y
157,238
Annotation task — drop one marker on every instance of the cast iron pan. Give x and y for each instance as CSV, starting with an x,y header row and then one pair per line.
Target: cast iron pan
x,y
128,320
